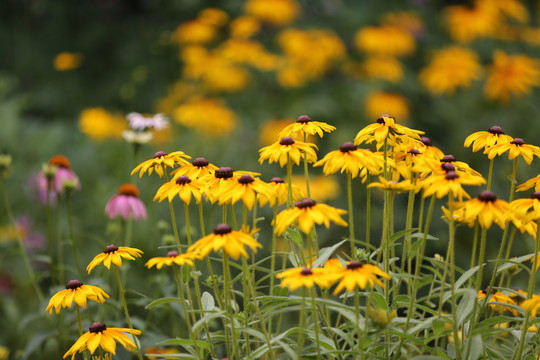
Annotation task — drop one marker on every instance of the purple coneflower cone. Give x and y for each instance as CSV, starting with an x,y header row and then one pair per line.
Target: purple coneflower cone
x,y
125,206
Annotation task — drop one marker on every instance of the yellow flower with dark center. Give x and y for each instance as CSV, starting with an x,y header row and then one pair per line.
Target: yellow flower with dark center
x,y
523,226
511,75
441,185
248,189
349,158
67,61
386,128
182,186
534,182
197,169
304,125
484,209
392,185
216,180
467,23
379,102
515,148
356,274
304,277
450,69
308,213
281,191
383,67
114,254
486,139
160,161
76,291
532,305
518,296
273,12
449,162
497,296
527,209
288,149
104,337
429,150
386,40
173,257
233,243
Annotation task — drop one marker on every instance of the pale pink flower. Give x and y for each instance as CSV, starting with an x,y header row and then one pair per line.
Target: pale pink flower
x,y
139,122
126,204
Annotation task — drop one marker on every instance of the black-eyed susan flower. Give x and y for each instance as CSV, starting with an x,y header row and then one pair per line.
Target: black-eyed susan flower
x,y
233,243
126,203
281,191
114,254
197,169
497,296
532,305
359,275
349,158
76,291
429,150
534,182
516,147
386,128
288,149
183,187
106,338
527,209
308,213
247,189
304,125
173,257
484,209
215,180
160,161
486,139
441,185
305,277
392,185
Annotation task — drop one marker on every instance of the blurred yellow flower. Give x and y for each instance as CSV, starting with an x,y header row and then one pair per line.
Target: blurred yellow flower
x,y
4,353
466,23
322,188
511,75
386,40
213,16
383,67
268,132
154,352
207,116
408,21
99,124
67,61
513,9
248,52
244,27
273,12
450,68
379,102
194,32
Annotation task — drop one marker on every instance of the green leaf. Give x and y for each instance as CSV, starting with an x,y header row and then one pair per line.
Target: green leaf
x,y
207,301
206,318
325,253
161,301
379,301
466,275
466,306
294,235
438,326
477,347
421,236
509,263
187,343
401,233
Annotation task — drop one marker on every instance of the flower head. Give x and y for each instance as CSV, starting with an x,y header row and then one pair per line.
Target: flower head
x,y
497,296
349,158
100,335
288,149
247,189
386,128
485,209
515,148
449,182
356,274
534,182
378,102
386,40
160,161
67,61
273,12
126,204
486,139
532,305
99,124
197,169
304,125
173,257
232,242
308,213
281,191
140,122
306,277
76,291
182,186
527,210
429,150
216,180
392,185
114,254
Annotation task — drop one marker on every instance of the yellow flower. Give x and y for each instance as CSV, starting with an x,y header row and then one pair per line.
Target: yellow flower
x,y
173,257
351,160
430,151
450,182
450,68
245,27
288,149
305,126
223,237
281,191
216,180
182,186
356,274
99,124
409,21
511,75
487,139
195,32
386,128
4,353
268,132
497,296
248,52
515,148
76,291
67,61
197,169
160,161
210,117
114,254
467,23
485,209
247,189
273,12
154,352
386,40
383,67
392,185
534,182
308,213
213,16
322,188
304,277
106,338
527,209
379,102
532,305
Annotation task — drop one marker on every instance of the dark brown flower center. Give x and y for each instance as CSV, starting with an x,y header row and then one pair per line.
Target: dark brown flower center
x,y
60,161
73,284
305,203
246,179
448,167
496,130
535,195
348,146
200,162
303,119
426,141
448,158
487,196
110,249
224,173
159,154
277,180
98,327
222,229
517,141
128,189
183,180
355,264
414,151
451,175
286,140
306,271
172,253
381,119
485,291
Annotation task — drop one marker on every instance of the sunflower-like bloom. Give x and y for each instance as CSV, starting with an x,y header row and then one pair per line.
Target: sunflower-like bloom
x,y
304,125
351,160
160,161
534,182
248,189
485,208
197,169
281,191
308,213
392,185
106,338
223,237
527,210
486,139
173,257
441,185
76,291
216,180
532,305
497,296
356,274
288,148
386,128
114,254
306,277
429,150
515,148
182,186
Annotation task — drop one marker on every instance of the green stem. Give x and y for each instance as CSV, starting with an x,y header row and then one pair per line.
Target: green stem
x,y
351,217
368,213
300,339
306,172
72,238
316,323
59,246
80,328
473,251
228,299
50,245
289,182
490,174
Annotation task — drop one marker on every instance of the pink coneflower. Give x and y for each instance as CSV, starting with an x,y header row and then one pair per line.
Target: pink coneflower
x,y
140,123
126,204
58,171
